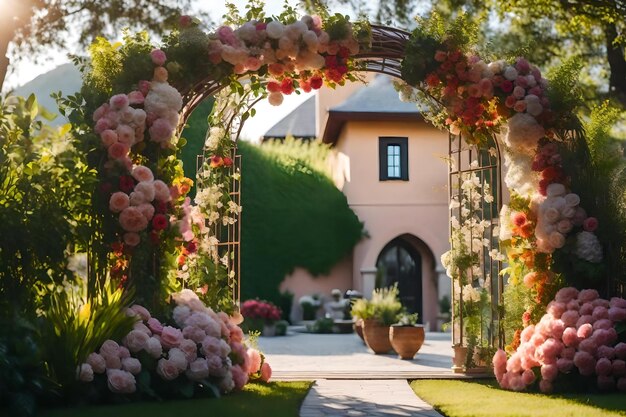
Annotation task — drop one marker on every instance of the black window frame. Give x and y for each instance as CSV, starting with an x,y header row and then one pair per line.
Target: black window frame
x,y
383,145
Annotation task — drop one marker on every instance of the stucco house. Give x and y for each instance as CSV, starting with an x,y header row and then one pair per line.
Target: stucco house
x,y
390,164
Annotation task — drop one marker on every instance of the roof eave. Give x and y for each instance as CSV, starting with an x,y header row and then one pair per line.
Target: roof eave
x,y
336,120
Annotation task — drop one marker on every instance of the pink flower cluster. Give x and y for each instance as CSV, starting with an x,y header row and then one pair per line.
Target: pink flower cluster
x,y
256,309
295,53
576,335
202,345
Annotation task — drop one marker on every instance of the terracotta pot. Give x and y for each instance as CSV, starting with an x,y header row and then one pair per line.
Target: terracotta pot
x,y
406,340
376,336
460,357
358,328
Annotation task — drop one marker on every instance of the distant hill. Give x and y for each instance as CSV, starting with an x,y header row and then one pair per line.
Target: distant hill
x,y
65,78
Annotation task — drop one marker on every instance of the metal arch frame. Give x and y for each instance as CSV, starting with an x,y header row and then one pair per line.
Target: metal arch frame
x,y
384,56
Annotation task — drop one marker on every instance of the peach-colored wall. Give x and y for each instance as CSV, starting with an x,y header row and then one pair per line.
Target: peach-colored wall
x,y
392,208
302,282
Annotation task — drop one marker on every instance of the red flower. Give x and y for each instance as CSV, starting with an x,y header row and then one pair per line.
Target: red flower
x,y
432,80
344,52
228,162
316,82
118,248
216,161
331,61
552,173
161,207
106,188
192,246
181,260
506,86
127,183
273,87
159,222
519,219
286,87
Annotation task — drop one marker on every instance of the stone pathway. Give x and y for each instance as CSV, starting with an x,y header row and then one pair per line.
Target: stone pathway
x,y
352,381
369,398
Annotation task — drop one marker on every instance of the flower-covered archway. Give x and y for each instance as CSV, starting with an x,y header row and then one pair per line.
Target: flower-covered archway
x,y
161,241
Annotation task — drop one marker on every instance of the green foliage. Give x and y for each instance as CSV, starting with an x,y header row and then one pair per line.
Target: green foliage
x,y
564,91
293,216
362,309
77,324
323,325
23,378
45,191
385,305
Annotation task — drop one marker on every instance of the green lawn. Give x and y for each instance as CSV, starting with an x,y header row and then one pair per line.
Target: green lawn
x,y
277,399
477,399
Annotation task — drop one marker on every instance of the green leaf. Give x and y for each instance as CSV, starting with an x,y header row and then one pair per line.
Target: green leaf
x,y
187,389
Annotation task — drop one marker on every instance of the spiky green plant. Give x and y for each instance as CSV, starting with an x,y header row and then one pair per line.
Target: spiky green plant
x,y
386,305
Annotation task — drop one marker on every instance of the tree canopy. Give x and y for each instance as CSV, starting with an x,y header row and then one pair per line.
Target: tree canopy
x,y
37,25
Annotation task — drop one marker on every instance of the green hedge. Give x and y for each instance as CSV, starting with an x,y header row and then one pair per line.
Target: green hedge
x,y
293,215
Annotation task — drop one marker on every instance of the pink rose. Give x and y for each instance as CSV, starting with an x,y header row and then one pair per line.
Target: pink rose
x,y
585,363
110,347
154,348
617,314
131,365
590,224
121,382
85,372
155,325
132,239
198,370
100,112
266,372
167,370
189,348
254,361
147,189
617,302
158,57
211,346
126,135
136,97
147,210
132,220
177,357
109,137
96,362
194,333
102,125
161,130
161,191
136,340
142,173
124,352
239,376
118,202
141,311
112,362
171,337
118,150
216,366
119,101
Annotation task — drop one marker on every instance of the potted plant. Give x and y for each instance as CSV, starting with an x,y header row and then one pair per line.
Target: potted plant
x,y
309,304
260,316
406,336
385,308
361,310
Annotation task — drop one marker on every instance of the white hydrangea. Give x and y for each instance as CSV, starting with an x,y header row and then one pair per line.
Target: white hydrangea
x,y
588,247
519,176
162,98
523,133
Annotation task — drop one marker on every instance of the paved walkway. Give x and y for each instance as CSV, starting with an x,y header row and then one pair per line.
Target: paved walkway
x,y
350,380
369,398
307,356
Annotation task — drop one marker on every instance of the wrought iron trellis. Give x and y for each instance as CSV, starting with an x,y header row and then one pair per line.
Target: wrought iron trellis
x,y
481,165
384,56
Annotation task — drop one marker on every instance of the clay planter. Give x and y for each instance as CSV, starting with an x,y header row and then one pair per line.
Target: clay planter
x,y
460,357
406,340
376,336
358,328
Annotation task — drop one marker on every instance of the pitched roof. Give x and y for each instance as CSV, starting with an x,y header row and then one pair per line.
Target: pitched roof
x,y
379,96
377,101
300,123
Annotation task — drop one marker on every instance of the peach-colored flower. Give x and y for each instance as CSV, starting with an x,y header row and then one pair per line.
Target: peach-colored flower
x,y
118,150
132,239
118,202
266,372
132,220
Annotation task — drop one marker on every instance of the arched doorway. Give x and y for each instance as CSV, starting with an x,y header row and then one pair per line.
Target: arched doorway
x,y
400,263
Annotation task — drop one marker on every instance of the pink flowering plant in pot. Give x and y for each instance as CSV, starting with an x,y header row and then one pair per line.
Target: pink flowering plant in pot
x,y
259,313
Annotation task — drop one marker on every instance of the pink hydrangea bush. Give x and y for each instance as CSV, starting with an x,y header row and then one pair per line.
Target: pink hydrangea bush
x,y
201,346
577,337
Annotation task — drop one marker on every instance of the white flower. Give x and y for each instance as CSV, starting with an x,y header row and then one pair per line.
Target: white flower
x,y
523,133
588,247
162,98
510,73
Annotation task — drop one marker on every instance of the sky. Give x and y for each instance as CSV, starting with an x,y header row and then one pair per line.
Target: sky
x,y
255,127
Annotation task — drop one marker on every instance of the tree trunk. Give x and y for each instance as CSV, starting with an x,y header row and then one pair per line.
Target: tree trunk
x,y
617,64
17,15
